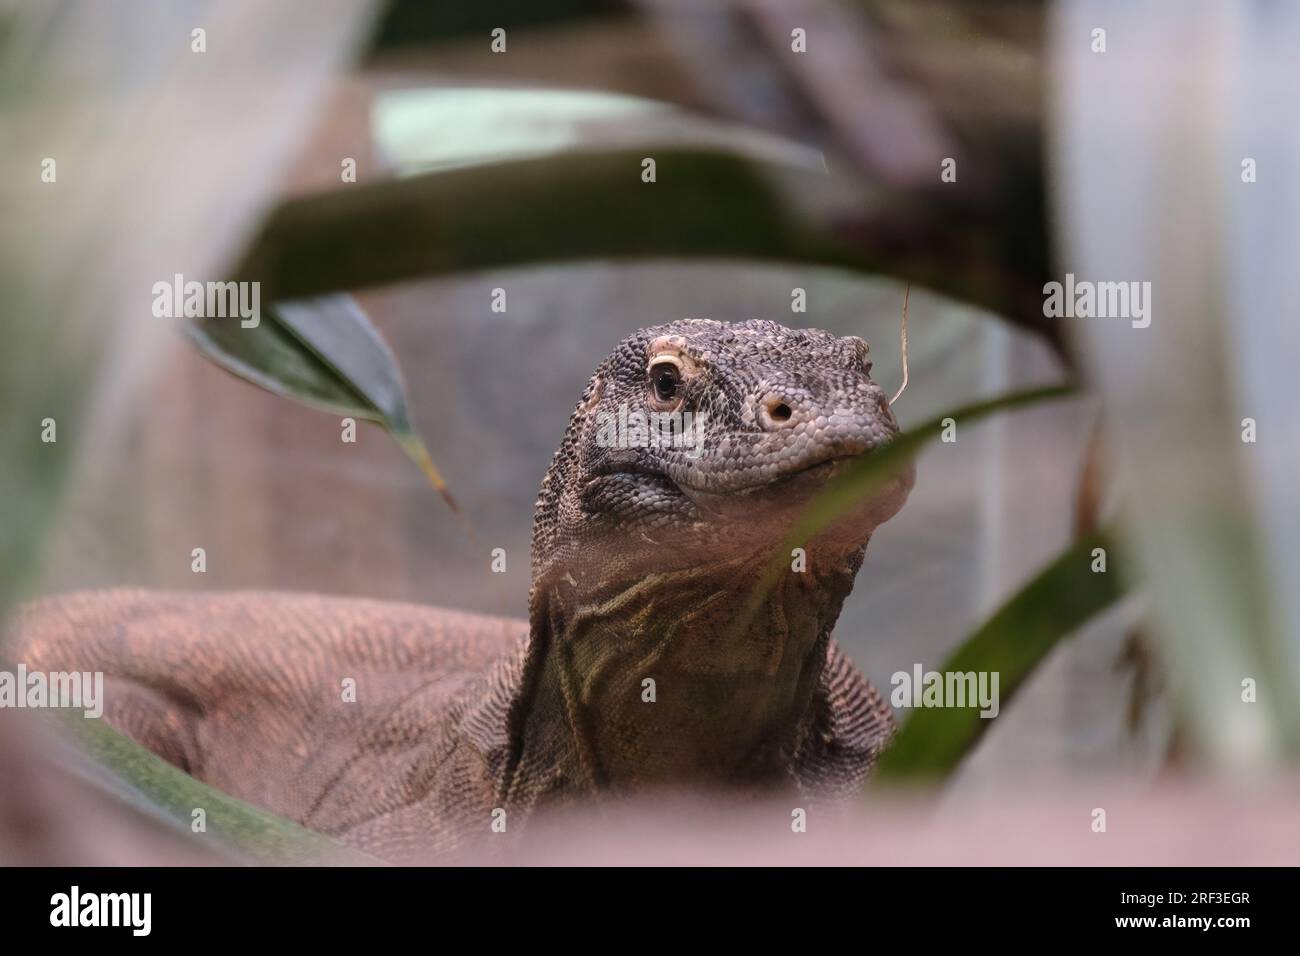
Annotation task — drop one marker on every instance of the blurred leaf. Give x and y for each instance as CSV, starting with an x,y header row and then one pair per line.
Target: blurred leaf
x,y
722,192
1210,518
1011,643
706,203
418,23
143,133
157,788
425,130
325,353
572,206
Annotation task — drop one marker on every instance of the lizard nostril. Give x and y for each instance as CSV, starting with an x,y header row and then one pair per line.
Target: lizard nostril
x,y
776,411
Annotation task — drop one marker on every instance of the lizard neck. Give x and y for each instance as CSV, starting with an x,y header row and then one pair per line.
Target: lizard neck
x,y
664,681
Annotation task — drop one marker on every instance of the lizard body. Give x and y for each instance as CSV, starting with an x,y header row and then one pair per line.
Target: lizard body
x,y
638,667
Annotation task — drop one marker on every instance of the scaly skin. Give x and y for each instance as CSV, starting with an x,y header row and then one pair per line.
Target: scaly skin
x,y
644,562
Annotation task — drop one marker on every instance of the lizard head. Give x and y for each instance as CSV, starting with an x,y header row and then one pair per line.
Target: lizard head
x,y
694,448
701,434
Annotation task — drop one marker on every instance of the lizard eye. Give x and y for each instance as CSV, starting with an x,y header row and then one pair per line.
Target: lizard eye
x,y
666,378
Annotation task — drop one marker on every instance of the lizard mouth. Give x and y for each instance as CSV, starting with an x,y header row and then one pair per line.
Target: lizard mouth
x,y
793,488
775,495
792,483
816,473
804,471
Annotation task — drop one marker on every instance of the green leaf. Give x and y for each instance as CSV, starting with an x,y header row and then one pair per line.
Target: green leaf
x,y
865,476
324,353
590,146
439,129
1011,643
573,206
706,203
425,130
157,788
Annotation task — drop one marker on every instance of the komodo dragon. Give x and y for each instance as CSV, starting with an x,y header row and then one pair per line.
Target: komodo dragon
x,y
643,559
